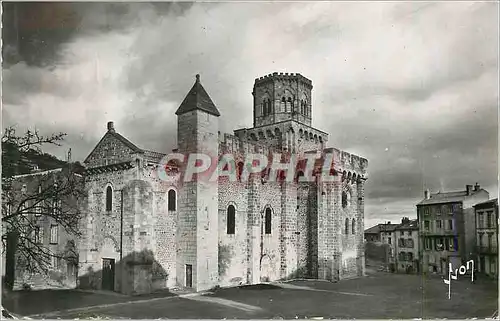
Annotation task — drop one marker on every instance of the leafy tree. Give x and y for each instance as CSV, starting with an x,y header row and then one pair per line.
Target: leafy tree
x,y
52,195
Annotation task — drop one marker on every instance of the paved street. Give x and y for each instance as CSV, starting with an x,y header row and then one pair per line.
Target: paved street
x,y
378,296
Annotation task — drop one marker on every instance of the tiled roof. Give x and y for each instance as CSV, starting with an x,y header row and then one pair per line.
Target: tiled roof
x,y
381,228
411,225
153,156
387,227
197,98
493,201
446,197
373,230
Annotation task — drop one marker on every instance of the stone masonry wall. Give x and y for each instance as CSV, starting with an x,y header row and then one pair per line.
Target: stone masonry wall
x,y
350,242
276,86
186,225
233,247
197,242
271,254
102,230
288,243
62,273
110,150
103,227
303,230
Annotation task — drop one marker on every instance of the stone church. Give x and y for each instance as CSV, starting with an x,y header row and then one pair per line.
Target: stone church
x,y
143,233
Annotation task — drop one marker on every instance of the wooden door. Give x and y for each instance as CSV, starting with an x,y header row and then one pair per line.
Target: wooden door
x,y
108,274
189,276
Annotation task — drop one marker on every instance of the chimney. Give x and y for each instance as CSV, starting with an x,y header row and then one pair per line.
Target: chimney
x,y
111,127
468,188
476,187
427,194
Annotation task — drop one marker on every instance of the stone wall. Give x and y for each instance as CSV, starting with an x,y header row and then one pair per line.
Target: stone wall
x,y
276,86
60,272
110,150
303,230
197,241
148,227
233,251
154,245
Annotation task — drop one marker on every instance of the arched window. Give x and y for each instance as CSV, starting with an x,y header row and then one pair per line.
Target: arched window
x,y
109,199
283,104
239,170
231,219
290,104
299,175
172,200
344,199
263,108
353,226
346,226
268,220
281,176
269,106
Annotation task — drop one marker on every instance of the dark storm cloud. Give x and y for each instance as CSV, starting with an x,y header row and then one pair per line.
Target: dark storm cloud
x,y
35,31
410,86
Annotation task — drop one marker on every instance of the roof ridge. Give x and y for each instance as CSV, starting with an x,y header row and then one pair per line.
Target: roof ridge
x,y
118,136
126,141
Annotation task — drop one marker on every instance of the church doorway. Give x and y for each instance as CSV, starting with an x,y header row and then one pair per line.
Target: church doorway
x,y
189,276
108,274
266,269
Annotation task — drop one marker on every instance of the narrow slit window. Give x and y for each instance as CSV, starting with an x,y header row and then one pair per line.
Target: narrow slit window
x,y
109,199
231,219
172,200
268,220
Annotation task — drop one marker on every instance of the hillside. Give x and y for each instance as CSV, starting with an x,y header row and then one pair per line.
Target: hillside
x,y
15,162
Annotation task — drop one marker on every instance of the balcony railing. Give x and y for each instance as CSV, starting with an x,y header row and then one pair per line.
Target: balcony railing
x,y
488,249
438,232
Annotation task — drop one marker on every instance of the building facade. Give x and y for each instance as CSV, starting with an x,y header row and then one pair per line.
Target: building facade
x,y
381,244
39,216
142,232
373,234
406,256
486,214
447,228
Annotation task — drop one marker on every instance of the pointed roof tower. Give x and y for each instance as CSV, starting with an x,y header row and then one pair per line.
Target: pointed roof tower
x,y
197,99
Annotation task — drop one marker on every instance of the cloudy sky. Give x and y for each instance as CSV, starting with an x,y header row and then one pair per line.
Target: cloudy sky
x,y
413,87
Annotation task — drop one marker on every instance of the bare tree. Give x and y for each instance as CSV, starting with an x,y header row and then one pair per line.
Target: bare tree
x,y
53,195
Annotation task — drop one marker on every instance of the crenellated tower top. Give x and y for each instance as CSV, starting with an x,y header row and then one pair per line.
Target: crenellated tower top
x,y
282,96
